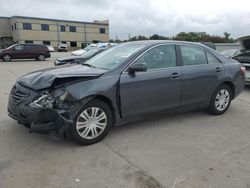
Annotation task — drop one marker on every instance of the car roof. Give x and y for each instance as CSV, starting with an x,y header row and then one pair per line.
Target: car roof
x,y
155,42
31,44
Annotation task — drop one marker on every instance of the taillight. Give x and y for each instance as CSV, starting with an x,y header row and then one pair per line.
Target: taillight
x,y
243,69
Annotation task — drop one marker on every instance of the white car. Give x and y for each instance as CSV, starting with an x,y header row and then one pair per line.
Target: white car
x,y
62,47
92,46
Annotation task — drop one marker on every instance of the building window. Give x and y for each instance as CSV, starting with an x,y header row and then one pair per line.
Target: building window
x,y
15,25
73,44
64,42
27,26
46,42
72,28
45,27
63,28
28,42
12,28
102,30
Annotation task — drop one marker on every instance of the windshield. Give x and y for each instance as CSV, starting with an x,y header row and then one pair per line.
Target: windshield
x,y
11,46
89,47
228,53
114,56
89,53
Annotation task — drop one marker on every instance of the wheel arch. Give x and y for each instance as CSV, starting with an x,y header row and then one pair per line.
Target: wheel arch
x,y
7,54
106,100
231,86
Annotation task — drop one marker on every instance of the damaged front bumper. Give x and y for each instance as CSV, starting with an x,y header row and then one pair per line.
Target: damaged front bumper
x,y
37,118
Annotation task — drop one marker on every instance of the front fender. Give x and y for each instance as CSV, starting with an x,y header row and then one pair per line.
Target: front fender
x,y
82,92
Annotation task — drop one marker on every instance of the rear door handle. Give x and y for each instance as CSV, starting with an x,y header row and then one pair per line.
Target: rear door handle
x,y
218,69
175,75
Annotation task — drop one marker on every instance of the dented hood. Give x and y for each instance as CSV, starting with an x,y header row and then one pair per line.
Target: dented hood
x,y
44,78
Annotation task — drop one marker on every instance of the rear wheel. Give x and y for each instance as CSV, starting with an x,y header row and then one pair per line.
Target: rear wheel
x,y
41,57
92,123
6,57
221,100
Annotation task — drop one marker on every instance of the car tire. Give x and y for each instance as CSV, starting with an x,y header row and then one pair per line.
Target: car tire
x,y
6,57
221,100
92,123
41,57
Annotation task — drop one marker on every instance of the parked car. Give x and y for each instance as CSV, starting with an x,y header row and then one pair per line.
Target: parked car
x,y
78,59
62,47
51,48
92,46
247,66
127,82
230,53
242,55
25,51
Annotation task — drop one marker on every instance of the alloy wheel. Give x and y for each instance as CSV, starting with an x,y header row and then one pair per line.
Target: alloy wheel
x,y
91,123
41,57
222,100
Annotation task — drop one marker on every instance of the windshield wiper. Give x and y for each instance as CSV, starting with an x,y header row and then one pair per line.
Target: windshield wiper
x,y
89,65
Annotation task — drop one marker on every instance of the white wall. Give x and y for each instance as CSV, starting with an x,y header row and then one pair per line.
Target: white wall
x,y
225,46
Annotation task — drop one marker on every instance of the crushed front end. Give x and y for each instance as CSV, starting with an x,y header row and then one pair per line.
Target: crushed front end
x,y
42,112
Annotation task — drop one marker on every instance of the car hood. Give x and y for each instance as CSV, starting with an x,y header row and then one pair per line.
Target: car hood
x,y
245,42
78,52
70,58
45,78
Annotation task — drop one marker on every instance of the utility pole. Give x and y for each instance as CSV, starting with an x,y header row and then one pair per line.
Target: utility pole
x,y
58,33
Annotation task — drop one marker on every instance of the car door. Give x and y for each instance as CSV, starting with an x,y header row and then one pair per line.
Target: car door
x,y
30,51
18,51
202,72
158,88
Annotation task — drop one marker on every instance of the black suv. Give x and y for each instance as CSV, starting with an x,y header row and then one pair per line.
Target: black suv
x,y
25,51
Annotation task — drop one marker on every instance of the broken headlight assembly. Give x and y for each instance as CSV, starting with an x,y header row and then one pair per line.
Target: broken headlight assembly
x,y
45,100
50,99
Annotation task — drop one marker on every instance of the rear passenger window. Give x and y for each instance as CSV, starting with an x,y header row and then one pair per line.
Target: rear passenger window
x,y
211,58
159,57
192,55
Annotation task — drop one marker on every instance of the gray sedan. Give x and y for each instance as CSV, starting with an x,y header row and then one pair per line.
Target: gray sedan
x,y
125,83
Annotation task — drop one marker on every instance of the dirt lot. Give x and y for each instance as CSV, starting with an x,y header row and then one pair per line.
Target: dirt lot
x,y
189,150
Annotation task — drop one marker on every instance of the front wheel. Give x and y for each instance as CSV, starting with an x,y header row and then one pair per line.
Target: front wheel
x,y
221,100
92,123
7,57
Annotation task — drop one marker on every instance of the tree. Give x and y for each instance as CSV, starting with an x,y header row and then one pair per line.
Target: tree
x,y
226,36
186,36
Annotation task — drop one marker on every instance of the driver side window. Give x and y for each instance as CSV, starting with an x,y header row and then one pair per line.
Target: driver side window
x,y
159,57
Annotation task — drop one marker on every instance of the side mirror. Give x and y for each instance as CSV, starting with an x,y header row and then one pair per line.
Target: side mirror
x,y
137,67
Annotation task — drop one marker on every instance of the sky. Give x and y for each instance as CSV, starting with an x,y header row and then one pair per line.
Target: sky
x,y
143,17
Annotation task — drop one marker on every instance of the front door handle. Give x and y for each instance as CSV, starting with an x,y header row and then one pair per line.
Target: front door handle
x,y
218,69
175,75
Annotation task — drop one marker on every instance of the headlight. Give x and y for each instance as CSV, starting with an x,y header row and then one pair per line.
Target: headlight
x,y
46,100
55,99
